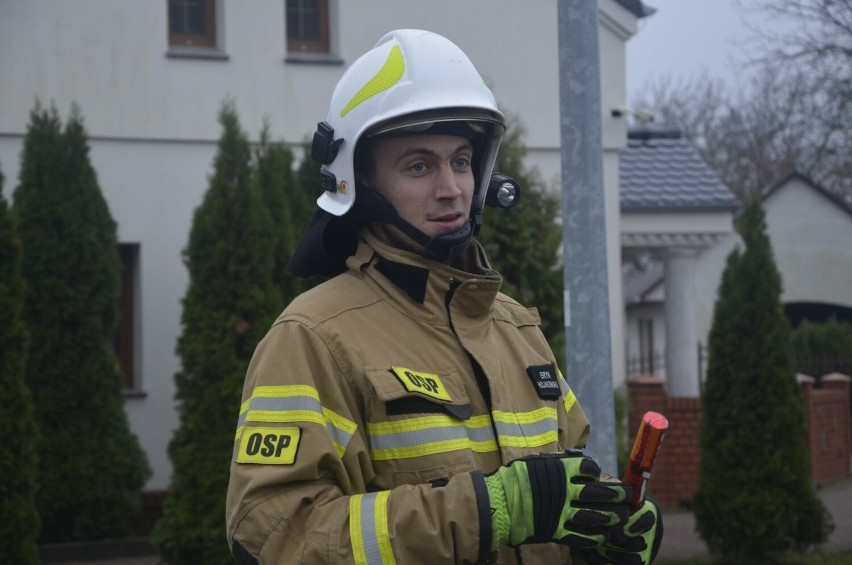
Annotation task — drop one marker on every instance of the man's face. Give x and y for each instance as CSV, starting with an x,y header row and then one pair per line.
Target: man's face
x,y
427,178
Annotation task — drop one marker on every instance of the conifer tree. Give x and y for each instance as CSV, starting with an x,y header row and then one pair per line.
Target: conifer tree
x,y
754,498
91,467
227,309
19,524
288,206
523,242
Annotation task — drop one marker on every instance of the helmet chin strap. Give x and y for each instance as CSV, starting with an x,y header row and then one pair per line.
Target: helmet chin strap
x,y
370,205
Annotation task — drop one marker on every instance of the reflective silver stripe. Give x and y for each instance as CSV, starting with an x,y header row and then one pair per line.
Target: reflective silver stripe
x,y
429,435
433,435
515,429
527,429
296,404
286,403
568,397
368,529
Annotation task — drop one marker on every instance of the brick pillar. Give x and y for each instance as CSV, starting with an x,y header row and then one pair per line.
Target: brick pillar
x,y
828,433
675,475
644,393
807,384
837,427
673,480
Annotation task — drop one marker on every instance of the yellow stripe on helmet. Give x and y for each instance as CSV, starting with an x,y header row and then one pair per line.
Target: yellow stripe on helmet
x,y
388,75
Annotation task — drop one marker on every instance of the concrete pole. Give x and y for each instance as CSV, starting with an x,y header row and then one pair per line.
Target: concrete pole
x,y
681,331
587,330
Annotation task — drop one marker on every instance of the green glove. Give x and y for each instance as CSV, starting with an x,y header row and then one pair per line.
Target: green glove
x,y
636,543
554,497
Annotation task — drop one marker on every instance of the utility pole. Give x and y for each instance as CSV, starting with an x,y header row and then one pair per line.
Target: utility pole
x,y
587,331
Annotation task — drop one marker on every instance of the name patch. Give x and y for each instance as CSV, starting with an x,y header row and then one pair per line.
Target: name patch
x,y
545,380
424,383
269,446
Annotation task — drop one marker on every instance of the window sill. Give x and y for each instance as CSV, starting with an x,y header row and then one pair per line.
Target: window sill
x,y
312,58
129,393
197,53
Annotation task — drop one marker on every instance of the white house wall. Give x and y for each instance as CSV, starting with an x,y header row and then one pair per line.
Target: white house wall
x,y
811,239
153,129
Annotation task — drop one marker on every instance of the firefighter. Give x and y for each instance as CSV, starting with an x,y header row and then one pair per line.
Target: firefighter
x,y
406,411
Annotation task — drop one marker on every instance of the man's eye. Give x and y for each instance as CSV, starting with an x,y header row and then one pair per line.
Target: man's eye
x,y
418,167
461,162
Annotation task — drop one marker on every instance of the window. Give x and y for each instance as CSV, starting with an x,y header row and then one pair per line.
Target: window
x,y
646,346
307,26
192,23
124,335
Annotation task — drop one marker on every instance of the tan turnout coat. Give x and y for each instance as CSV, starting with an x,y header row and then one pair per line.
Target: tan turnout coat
x,y
363,431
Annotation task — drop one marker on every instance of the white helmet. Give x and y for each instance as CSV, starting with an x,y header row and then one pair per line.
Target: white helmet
x,y
409,81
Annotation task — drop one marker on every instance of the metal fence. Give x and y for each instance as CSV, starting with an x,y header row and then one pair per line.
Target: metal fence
x,y
655,365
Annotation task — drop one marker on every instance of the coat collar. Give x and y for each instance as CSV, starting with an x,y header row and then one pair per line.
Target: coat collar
x,y
425,284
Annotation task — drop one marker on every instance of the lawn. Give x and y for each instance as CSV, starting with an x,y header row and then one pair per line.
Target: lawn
x,y
809,559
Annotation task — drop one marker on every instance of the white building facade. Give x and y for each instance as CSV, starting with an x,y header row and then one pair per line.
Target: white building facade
x,y
149,87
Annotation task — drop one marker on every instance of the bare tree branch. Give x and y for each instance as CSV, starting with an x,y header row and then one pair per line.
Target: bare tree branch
x,y
794,114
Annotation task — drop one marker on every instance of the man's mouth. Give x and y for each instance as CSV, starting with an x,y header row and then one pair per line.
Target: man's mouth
x,y
448,221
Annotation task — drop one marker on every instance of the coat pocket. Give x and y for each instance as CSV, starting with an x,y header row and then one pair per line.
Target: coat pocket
x,y
401,390
420,426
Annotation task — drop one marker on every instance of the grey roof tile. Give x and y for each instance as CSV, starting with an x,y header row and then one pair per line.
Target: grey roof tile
x,y
659,170
637,8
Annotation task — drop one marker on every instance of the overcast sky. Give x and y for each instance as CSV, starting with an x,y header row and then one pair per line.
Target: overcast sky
x,y
687,37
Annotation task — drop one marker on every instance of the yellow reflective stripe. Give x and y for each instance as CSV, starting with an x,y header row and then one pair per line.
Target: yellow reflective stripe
x,y
295,404
568,397
529,441
341,423
526,429
388,75
286,390
429,435
570,400
433,448
382,532
241,421
356,538
368,529
537,415
425,423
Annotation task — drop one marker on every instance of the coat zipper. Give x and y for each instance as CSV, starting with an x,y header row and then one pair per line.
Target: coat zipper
x,y
481,380
454,285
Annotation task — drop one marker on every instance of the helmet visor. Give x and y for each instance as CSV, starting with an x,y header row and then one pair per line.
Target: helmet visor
x,y
471,123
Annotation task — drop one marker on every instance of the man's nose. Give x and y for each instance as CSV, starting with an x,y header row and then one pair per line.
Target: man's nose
x,y
446,183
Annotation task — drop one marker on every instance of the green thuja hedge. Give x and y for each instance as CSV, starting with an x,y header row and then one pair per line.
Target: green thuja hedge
x,y
754,499
228,307
19,523
289,207
91,467
523,242
823,347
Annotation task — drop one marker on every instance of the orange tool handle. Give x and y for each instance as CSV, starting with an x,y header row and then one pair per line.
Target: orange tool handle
x,y
649,438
